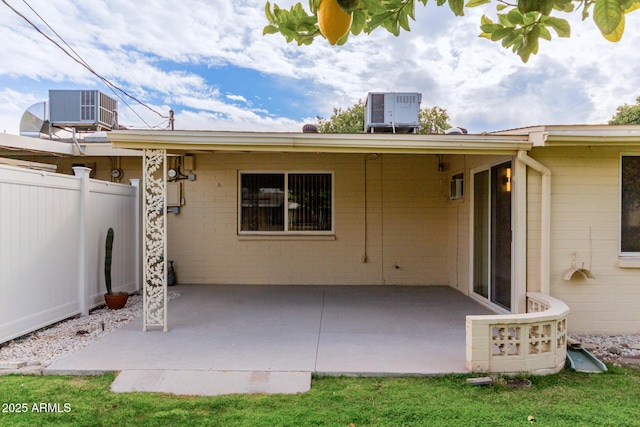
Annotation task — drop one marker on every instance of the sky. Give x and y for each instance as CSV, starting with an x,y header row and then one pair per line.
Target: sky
x,y
209,62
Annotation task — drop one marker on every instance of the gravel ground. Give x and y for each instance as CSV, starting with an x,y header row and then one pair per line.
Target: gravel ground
x,y
41,348
615,349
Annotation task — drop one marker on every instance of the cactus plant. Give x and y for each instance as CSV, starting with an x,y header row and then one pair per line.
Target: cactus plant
x,y
114,300
108,250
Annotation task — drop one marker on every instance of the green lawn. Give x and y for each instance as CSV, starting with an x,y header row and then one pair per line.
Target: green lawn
x,y
566,399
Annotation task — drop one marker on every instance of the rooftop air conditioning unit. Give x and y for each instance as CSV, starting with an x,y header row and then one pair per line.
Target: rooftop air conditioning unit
x,y
84,110
396,112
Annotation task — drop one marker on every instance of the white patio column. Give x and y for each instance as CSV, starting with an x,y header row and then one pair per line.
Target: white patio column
x,y
545,219
154,246
519,237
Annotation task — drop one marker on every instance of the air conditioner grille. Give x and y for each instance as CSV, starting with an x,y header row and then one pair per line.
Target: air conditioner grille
x,y
405,99
88,105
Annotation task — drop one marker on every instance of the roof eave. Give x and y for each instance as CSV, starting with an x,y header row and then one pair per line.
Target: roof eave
x,y
318,143
581,135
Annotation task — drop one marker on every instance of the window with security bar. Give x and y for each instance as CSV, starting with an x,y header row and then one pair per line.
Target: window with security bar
x,y
286,202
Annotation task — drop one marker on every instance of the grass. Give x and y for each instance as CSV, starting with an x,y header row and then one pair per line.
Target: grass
x,y
565,399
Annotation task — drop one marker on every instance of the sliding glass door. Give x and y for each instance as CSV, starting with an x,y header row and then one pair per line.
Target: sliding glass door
x,y
492,234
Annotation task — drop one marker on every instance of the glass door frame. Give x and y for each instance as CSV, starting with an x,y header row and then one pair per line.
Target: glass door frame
x,y
472,229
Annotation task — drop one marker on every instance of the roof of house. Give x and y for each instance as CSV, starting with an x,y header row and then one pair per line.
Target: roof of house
x,y
15,145
319,142
579,135
128,142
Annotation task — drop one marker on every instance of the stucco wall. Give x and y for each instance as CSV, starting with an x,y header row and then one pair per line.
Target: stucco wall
x,y
585,219
407,224
410,224
130,166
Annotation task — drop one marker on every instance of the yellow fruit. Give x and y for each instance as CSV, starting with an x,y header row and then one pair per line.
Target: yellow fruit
x,y
333,21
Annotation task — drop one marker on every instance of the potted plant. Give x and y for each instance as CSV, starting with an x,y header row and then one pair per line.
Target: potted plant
x,y
114,300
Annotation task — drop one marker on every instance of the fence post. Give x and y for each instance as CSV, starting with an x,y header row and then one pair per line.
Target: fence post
x,y
138,230
83,283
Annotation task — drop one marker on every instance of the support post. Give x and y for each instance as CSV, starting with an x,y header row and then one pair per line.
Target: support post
x,y
519,187
154,193
545,220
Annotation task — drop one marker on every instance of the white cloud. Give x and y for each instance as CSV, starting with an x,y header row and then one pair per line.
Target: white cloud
x,y
12,105
151,49
236,98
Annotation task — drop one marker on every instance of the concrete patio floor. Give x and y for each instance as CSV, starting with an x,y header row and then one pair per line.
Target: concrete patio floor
x,y
333,330
270,339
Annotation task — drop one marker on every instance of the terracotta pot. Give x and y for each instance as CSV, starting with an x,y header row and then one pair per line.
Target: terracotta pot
x,y
117,300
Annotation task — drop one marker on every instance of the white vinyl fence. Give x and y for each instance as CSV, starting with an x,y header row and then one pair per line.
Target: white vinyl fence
x,y
52,237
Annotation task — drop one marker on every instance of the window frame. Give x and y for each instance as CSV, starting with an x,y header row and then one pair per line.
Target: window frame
x,y
623,254
286,231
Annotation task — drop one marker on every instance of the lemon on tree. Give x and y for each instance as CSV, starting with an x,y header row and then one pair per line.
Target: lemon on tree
x,y
334,22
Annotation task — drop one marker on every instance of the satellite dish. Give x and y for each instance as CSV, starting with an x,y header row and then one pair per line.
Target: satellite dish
x,y
456,131
34,121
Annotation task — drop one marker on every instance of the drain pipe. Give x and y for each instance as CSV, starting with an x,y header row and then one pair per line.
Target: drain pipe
x,y
75,141
545,220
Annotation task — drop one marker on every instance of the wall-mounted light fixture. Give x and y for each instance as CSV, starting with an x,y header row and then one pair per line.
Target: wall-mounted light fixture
x,y
507,180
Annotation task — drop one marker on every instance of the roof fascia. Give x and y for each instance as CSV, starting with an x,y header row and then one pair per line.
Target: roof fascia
x,y
580,135
326,143
24,143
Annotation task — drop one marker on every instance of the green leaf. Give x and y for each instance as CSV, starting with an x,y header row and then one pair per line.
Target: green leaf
x,y
509,39
410,9
500,7
616,35
377,20
544,32
504,20
515,17
457,6
343,39
501,33
270,29
530,18
631,5
348,6
517,43
524,53
585,12
543,6
564,5
546,6
485,20
475,3
562,27
525,6
267,12
490,28
373,6
403,20
607,15
531,40
358,23
392,25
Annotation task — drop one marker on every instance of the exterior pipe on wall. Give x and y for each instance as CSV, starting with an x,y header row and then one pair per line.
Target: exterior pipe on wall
x,y
75,141
545,220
